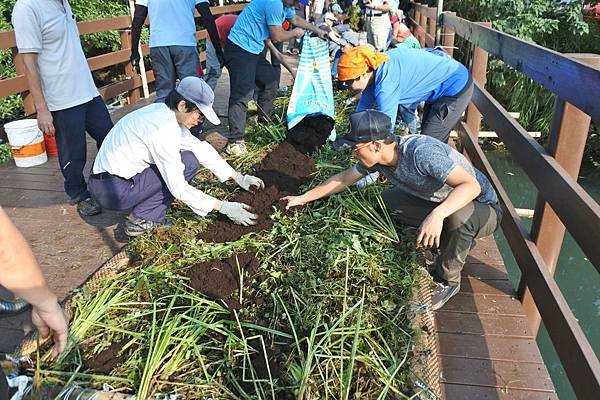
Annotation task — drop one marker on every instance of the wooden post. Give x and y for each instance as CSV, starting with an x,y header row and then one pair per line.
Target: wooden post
x,y
423,21
432,23
568,135
479,74
448,38
28,104
134,95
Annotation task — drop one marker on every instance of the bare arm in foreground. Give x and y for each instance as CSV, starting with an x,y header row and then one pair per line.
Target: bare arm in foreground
x,y
21,274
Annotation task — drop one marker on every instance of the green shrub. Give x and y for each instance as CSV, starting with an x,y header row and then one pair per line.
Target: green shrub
x,y
560,27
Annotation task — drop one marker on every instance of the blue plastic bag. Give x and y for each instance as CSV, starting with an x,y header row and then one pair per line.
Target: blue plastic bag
x,y
313,91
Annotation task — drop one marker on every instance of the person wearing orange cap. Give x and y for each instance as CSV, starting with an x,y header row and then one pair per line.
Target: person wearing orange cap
x,y
407,76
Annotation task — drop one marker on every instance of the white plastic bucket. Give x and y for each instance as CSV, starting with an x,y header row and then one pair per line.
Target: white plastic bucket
x,y
26,142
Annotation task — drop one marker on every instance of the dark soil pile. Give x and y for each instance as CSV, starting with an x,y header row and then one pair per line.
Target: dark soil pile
x,y
220,279
311,133
106,360
283,170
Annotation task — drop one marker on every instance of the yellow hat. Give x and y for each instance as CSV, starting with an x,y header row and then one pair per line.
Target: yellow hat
x,y
358,60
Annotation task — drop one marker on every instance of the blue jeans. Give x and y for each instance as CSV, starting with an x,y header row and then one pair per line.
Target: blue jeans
x,y
408,114
146,193
70,125
213,67
170,63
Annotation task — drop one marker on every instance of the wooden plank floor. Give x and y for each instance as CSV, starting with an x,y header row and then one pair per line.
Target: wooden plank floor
x,y
486,350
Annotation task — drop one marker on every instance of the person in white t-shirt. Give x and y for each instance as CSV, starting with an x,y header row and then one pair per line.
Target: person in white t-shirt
x,y
377,23
63,90
318,8
150,156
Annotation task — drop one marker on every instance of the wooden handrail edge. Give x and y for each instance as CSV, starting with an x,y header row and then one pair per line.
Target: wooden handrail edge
x,y
569,340
570,79
574,206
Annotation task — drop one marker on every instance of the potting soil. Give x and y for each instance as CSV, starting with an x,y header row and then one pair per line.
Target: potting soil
x,y
283,170
310,134
220,279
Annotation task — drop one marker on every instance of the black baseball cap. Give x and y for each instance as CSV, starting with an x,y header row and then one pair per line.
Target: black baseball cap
x,y
365,126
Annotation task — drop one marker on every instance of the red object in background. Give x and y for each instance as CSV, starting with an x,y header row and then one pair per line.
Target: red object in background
x,y
593,10
50,142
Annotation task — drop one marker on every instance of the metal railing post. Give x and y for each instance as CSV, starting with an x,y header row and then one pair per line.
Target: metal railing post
x,y
479,74
568,135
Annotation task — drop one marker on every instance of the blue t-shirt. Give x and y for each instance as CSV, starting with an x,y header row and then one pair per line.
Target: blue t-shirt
x,y
411,76
252,26
424,164
171,22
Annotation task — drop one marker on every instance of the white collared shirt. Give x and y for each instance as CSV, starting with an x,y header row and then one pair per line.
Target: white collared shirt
x,y
151,135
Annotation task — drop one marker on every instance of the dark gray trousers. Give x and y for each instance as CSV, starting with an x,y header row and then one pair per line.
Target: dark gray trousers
x,y
247,71
473,221
170,63
441,116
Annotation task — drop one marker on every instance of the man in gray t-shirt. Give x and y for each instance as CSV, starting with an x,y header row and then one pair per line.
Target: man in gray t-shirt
x,y
66,100
435,189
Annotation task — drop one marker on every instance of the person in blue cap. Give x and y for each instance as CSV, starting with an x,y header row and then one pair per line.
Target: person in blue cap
x,y
435,189
261,19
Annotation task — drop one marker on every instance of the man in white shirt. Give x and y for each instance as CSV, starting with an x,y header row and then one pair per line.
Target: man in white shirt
x,y
65,96
149,157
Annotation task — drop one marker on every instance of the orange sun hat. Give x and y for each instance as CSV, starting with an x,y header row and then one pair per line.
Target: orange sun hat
x,y
358,60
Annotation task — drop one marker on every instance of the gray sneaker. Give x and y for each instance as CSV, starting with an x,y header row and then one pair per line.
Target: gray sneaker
x,y
237,149
135,226
88,207
443,294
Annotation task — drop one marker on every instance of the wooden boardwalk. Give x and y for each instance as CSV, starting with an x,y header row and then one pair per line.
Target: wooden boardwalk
x,y
485,347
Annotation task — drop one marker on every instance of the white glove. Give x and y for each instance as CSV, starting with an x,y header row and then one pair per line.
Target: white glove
x,y
238,213
349,101
246,182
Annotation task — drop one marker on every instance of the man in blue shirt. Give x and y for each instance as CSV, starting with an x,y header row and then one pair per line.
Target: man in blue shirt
x,y
435,189
408,76
173,46
261,19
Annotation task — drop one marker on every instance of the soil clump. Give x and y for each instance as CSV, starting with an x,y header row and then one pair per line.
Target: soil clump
x,y
220,279
310,134
283,170
106,360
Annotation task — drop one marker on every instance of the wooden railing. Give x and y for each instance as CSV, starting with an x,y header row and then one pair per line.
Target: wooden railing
x,y
130,86
562,202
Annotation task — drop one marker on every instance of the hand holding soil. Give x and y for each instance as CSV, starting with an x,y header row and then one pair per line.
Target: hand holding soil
x,y
248,182
293,201
239,213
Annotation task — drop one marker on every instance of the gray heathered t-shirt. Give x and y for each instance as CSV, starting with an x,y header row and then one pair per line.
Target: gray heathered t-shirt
x,y
424,164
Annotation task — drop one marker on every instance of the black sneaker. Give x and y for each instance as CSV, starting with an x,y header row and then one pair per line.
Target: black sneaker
x,y
88,207
443,294
135,226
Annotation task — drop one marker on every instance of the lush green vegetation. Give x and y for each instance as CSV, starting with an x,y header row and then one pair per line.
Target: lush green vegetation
x,y
5,153
561,27
329,307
